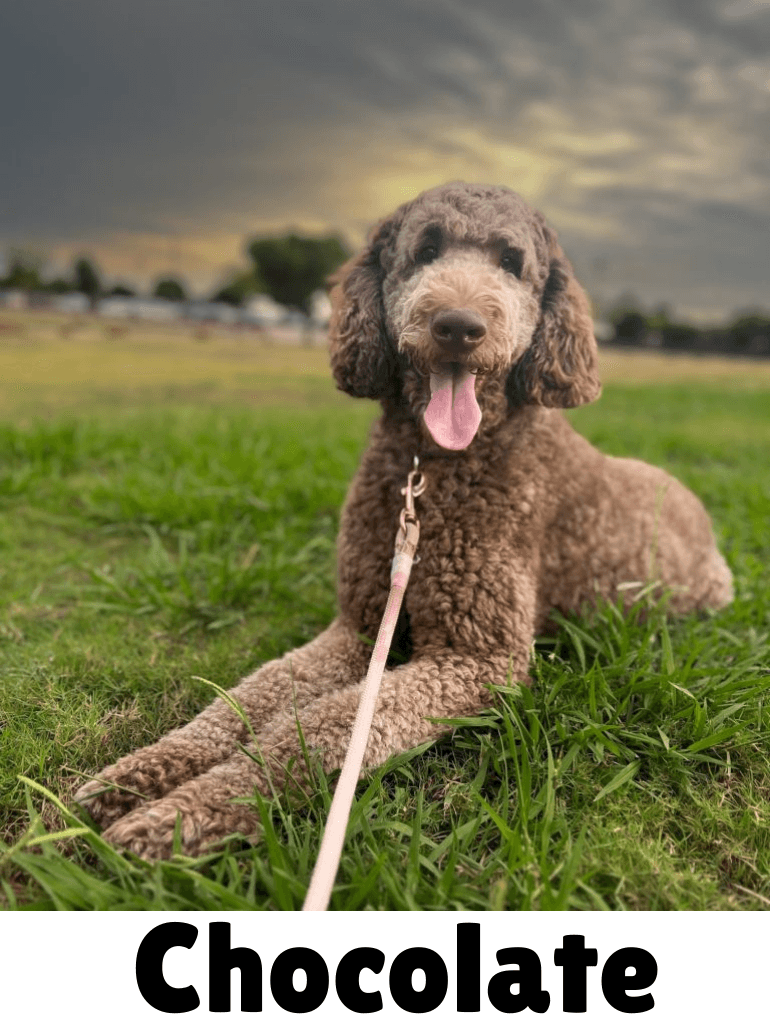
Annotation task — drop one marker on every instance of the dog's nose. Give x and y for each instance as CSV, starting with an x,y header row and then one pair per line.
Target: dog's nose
x,y
459,330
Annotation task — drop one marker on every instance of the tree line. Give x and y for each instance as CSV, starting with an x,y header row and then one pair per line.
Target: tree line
x,y
748,333
288,268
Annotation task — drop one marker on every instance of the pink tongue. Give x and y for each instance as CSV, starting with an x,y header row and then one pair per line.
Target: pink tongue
x,y
453,415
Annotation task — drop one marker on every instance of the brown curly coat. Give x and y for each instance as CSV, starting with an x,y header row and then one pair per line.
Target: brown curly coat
x,y
520,518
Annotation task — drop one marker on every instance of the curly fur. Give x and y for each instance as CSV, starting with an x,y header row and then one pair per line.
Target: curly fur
x,y
526,519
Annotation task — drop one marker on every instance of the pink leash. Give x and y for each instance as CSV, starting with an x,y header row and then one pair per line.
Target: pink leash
x,y
325,870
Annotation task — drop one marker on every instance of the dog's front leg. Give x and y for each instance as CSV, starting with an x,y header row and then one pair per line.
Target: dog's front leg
x,y
441,686
336,658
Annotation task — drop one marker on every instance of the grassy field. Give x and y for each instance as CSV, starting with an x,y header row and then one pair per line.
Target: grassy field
x,y
168,508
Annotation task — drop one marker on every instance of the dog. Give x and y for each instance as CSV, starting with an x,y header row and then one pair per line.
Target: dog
x,y
463,317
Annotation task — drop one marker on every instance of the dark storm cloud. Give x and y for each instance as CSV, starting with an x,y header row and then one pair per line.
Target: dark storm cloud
x,y
640,128
122,111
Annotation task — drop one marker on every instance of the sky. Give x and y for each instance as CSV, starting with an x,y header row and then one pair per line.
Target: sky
x,y
160,135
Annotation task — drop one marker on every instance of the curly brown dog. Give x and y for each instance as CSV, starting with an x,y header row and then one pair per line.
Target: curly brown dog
x,y
462,316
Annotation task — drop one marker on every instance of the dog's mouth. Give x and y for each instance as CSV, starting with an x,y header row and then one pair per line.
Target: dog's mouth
x,y
453,415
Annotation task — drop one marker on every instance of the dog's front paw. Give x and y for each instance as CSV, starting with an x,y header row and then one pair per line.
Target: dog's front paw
x,y
147,774
150,831
104,800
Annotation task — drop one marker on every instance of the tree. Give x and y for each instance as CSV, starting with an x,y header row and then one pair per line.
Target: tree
x,y
23,271
682,336
121,290
660,317
171,289
629,321
631,329
624,305
87,279
59,286
293,267
240,287
750,331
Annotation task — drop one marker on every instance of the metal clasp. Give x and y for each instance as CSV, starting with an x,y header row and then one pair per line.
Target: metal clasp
x,y
415,485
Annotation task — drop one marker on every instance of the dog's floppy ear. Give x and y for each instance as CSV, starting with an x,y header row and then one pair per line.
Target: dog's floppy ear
x,y
363,357
560,367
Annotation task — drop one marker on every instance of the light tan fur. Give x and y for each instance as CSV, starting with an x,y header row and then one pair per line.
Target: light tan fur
x,y
467,281
527,519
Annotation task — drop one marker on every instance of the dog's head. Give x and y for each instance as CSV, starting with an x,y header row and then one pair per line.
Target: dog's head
x,y
461,295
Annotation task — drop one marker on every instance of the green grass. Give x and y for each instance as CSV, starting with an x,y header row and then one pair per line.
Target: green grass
x,y
147,548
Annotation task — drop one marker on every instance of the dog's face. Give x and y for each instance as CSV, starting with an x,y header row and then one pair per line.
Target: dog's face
x,y
461,296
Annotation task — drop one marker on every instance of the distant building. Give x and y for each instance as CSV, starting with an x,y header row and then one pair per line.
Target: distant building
x,y
115,306
211,312
603,332
13,299
70,302
320,308
157,310
135,308
263,311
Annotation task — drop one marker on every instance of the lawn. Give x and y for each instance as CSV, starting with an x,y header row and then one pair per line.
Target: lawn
x,y
168,508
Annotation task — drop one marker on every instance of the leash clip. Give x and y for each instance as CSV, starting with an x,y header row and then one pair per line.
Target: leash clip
x,y
409,526
415,485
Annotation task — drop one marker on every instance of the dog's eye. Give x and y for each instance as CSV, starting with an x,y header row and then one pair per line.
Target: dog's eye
x,y
427,254
512,261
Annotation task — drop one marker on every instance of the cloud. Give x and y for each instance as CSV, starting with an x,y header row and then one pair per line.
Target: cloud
x,y
154,129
